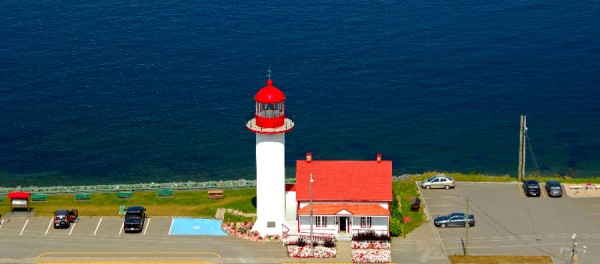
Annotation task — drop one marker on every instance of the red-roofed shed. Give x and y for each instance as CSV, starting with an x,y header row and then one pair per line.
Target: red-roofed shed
x,y
19,200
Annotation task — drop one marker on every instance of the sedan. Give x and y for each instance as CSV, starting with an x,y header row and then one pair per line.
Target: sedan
x,y
454,219
531,188
440,181
554,189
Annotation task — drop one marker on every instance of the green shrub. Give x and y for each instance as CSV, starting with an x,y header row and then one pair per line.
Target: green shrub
x,y
395,226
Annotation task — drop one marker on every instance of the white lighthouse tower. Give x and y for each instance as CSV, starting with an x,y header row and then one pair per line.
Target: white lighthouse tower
x,y
270,123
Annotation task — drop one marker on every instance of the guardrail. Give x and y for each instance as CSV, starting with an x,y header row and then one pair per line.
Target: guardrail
x,y
190,185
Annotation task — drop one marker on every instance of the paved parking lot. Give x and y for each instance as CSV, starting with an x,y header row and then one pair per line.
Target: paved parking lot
x,y
34,240
508,223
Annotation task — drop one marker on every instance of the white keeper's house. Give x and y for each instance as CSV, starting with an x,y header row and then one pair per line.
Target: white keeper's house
x,y
346,197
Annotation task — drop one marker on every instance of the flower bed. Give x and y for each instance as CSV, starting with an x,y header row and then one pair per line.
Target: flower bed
x,y
371,256
371,245
308,252
244,230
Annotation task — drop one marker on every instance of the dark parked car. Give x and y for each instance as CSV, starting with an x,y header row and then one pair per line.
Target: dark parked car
x,y
135,216
554,189
454,219
531,188
64,218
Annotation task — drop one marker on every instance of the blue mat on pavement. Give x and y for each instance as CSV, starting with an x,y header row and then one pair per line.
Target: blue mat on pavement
x,y
196,227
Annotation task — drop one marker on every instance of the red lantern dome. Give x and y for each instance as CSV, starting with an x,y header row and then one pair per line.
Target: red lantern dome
x,y
269,115
269,94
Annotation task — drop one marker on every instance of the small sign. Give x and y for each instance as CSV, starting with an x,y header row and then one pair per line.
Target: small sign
x,y
270,224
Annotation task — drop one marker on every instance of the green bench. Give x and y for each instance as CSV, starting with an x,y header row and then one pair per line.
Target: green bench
x,y
83,196
124,195
165,193
39,197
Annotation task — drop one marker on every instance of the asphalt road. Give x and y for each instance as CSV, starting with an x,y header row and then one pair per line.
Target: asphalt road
x,y
509,223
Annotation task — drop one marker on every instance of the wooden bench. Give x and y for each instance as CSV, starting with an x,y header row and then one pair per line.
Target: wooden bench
x,y
83,196
39,197
165,193
124,195
576,187
215,194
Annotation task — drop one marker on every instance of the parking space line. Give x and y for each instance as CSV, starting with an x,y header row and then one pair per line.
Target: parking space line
x,y
98,226
72,227
25,225
173,219
49,224
147,225
1,221
121,228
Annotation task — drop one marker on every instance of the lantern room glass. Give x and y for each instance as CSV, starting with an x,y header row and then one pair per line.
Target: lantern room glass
x,y
266,110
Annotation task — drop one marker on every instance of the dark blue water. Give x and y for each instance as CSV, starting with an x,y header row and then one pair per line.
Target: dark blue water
x,y
135,91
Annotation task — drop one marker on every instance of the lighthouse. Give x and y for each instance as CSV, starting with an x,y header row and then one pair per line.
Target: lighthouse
x,y
270,124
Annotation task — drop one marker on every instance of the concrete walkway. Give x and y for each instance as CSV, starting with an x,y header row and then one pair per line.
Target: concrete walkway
x,y
420,246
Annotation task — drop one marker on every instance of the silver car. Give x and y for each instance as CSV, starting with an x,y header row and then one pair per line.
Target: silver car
x,y
440,181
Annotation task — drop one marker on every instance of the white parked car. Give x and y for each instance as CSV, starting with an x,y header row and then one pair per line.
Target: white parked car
x,y
439,181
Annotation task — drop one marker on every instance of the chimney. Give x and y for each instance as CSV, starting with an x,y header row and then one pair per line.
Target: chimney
x,y
308,157
378,158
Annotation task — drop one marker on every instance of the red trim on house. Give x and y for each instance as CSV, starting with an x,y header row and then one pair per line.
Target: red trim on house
x,y
353,209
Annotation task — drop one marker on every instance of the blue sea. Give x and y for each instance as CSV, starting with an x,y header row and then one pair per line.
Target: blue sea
x,y
129,91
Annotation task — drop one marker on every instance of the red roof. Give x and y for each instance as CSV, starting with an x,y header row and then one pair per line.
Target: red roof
x,y
19,195
339,180
269,94
353,209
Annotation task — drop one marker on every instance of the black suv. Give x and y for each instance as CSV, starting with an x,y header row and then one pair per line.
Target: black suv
x,y
531,188
135,217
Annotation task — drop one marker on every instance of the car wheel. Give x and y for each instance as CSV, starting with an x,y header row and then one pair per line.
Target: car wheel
x,y
443,225
447,187
428,187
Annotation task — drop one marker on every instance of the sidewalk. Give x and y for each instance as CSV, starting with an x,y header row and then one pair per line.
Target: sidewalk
x,y
420,246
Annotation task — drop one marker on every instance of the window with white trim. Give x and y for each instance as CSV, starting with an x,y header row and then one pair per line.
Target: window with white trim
x,y
365,222
321,221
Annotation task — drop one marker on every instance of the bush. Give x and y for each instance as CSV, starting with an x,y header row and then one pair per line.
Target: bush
x,y
395,227
329,243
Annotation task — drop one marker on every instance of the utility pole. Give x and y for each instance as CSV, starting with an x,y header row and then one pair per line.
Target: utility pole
x,y
467,225
522,145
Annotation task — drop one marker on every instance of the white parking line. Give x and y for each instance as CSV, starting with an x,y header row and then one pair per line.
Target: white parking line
x,y
147,225
98,226
172,220
49,225
72,227
121,229
24,227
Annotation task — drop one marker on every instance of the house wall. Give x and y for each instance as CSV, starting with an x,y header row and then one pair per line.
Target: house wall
x,y
378,224
331,228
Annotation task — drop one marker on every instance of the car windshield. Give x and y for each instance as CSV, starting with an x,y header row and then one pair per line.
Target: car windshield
x,y
61,217
430,179
533,185
554,187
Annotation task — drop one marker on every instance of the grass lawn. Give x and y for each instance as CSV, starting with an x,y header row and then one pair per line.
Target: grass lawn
x,y
183,203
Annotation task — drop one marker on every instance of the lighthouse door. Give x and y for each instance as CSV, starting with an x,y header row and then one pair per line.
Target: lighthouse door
x,y
343,224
